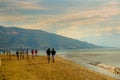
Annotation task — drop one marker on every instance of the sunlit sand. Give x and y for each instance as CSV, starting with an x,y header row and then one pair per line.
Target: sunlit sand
x,y
39,69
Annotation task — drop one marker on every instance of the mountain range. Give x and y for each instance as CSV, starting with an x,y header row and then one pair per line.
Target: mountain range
x,y
15,38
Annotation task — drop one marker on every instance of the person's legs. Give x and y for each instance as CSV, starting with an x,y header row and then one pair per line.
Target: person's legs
x,y
23,55
32,55
35,54
18,56
9,55
48,58
27,56
52,58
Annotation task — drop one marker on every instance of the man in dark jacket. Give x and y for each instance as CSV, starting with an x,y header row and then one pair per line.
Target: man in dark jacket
x,y
48,54
53,54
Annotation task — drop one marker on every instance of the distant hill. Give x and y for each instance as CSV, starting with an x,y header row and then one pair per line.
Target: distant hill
x,y
26,38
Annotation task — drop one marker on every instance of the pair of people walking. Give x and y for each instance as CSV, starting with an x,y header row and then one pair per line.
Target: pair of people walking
x,y
34,52
53,52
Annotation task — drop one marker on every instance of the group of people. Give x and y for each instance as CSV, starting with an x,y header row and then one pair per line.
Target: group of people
x,y
21,53
49,52
34,52
8,52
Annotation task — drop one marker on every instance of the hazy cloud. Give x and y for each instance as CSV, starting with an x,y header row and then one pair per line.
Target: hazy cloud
x,y
71,18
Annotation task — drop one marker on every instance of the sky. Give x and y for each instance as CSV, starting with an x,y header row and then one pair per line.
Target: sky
x,y
94,21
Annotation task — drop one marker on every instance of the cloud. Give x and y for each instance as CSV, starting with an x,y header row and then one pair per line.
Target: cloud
x,y
12,18
99,15
90,17
73,32
15,6
28,5
91,20
79,23
84,32
114,3
118,29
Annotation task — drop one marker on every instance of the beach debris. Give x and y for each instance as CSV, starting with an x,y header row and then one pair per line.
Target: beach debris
x,y
113,69
95,63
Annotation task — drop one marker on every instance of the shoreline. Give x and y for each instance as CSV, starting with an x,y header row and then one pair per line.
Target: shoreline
x,y
99,67
39,69
106,57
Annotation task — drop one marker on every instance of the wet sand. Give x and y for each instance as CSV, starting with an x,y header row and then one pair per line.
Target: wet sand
x,y
39,69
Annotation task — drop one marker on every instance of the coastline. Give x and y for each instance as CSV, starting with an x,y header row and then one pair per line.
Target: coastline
x,y
39,69
106,57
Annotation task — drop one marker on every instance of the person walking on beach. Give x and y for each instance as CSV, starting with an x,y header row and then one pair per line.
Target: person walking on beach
x,y
36,51
23,52
27,51
9,54
32,53
53,54
20,54
48,54
3,51
17,53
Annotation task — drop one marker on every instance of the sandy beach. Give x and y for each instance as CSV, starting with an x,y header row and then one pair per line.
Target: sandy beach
x,y
39,69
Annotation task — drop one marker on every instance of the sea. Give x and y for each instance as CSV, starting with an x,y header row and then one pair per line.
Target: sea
x,y
83,57
107,56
